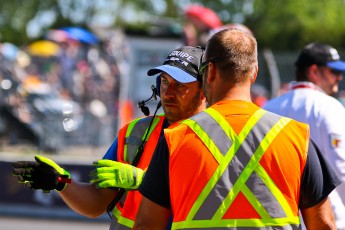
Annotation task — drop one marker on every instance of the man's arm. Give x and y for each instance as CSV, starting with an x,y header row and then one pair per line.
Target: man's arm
x,y
154,211
318,182
319,216
44,174
151,216
86,199
333,139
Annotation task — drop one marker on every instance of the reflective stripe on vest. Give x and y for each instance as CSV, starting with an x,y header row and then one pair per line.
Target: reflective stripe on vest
x,y
116,210
115,225
229,149
135,135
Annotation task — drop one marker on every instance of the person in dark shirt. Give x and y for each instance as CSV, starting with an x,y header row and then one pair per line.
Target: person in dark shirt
x,y
236,165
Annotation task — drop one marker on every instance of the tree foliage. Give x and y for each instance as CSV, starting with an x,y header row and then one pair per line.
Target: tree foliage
x,y
14,17
288,24
291,24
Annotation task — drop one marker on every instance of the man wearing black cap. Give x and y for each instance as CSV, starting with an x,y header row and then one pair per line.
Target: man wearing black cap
x,y
321,60
309,100
179,86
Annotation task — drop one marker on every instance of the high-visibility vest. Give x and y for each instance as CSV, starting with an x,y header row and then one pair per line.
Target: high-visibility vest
x,y
224,180
130,137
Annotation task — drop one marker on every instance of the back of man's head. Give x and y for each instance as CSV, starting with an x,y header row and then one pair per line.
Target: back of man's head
x,y
235,52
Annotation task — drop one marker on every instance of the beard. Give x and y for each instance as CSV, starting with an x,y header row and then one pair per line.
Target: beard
x,y
182,110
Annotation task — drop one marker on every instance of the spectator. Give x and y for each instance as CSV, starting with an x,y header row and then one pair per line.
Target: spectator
x,y
200,21
318,72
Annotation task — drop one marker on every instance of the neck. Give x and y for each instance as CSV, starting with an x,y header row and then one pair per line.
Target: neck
x,y
240,92
304,84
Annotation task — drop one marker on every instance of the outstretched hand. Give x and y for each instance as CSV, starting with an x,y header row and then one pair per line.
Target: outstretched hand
x,y
42,174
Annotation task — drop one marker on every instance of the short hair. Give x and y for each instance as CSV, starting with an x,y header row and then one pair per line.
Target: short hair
x,y
235,52
301,73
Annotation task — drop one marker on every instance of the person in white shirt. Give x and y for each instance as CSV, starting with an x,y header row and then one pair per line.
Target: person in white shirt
x,y
309,100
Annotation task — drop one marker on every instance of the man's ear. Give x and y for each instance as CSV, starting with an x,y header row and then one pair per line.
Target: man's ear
x,y
313,73
211,72
254,75
202,95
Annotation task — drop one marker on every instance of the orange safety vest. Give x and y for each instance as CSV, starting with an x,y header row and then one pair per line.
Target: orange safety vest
x,y
130,138
225,179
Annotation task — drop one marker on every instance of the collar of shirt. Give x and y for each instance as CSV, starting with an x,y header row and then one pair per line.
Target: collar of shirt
x,y
304,85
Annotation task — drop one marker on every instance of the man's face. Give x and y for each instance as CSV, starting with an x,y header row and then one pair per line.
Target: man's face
x,y
329,80
180,100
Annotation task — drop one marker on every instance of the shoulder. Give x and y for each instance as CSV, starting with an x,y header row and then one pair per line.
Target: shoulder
x,y
319,178
176,128
329,108
293,128
276,100
148,118
178,135
144,120
334,103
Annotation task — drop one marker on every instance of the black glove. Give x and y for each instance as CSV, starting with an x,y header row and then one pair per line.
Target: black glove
x,y
42,174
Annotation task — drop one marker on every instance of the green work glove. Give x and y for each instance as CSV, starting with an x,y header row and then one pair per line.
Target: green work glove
x,y
110,174
42,174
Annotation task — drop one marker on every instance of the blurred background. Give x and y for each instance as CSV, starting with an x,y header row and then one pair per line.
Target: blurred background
x,y
73,72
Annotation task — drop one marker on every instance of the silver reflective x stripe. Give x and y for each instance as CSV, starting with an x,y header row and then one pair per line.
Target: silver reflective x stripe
x,y
135,138
240,159
114,225
116,211
214,131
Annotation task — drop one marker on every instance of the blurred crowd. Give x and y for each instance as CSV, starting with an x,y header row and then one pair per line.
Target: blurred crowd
x,y
65,88
61,80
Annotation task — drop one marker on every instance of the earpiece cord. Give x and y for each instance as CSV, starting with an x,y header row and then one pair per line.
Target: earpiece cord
x,y
141,104
136,160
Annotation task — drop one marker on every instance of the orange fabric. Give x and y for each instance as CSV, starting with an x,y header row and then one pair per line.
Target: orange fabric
x,y
241,203
290,165
121,137
284,161
133,199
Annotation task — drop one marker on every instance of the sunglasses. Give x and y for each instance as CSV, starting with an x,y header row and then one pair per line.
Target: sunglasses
x,y
336,72
204,64
333,71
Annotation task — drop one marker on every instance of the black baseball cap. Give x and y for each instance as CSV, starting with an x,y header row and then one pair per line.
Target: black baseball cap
x,y
181,64
320,54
